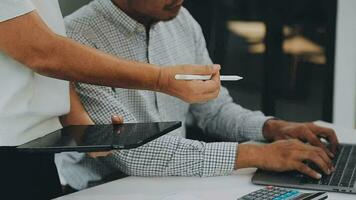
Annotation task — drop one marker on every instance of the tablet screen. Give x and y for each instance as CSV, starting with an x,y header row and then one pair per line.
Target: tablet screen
x,y
89,138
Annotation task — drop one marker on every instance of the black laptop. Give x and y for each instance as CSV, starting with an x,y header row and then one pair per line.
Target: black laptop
x,y
342,180
91,138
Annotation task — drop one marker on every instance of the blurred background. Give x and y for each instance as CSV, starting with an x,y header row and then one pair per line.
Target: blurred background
x,y
285,50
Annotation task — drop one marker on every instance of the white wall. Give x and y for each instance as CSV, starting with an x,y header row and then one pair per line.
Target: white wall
x,y
345,65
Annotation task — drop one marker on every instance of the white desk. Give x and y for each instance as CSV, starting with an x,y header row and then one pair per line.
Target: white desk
x,y
212,188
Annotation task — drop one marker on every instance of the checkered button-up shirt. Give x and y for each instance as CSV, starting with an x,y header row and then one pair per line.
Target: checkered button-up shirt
x,y
179,41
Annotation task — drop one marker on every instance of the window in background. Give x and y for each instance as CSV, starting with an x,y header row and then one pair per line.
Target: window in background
x,y
284,49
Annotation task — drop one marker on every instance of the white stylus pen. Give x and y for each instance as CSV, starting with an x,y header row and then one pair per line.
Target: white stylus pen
x,y
186,77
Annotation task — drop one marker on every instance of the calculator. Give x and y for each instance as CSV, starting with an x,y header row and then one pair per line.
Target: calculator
x,y
277,193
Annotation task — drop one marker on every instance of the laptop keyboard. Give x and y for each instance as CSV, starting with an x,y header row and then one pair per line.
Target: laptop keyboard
x,y
345,174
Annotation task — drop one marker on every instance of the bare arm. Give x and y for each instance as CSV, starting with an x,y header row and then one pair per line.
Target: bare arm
x,y
77,115
28,40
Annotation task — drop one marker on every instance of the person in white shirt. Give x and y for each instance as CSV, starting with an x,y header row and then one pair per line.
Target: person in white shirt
x,y
33,53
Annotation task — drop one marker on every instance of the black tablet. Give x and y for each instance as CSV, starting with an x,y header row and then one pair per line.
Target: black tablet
x,y
92,138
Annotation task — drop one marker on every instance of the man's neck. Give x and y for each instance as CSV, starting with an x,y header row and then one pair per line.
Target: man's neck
x,y
144,20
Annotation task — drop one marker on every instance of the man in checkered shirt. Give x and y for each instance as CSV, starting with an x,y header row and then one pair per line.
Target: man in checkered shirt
x,y
163,33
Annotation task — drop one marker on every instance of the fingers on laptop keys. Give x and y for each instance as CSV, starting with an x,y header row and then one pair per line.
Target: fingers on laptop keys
x,y
318,158
288,155
313,139
313,134
326,133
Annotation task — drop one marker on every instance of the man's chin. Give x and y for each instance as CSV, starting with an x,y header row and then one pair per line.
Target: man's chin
x,y
166,19
169,19
172,13
172,16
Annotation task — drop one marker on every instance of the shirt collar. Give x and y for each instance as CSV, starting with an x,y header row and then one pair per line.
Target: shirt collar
x,y
119,18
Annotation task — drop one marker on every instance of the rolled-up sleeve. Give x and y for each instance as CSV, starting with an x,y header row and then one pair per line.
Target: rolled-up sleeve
x,y
176,156
227,120
10,9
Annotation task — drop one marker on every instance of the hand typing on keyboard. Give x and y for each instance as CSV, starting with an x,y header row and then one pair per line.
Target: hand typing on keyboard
x,y
284,155
288,152
306,132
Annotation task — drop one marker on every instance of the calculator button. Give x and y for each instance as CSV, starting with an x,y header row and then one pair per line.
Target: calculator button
x,y
272,193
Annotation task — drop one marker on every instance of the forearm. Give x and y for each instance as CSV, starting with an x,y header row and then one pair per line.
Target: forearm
x,y
28,40
75,62
77,115
247,156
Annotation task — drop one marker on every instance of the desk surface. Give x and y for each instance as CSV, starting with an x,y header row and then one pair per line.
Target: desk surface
x,y
193,188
